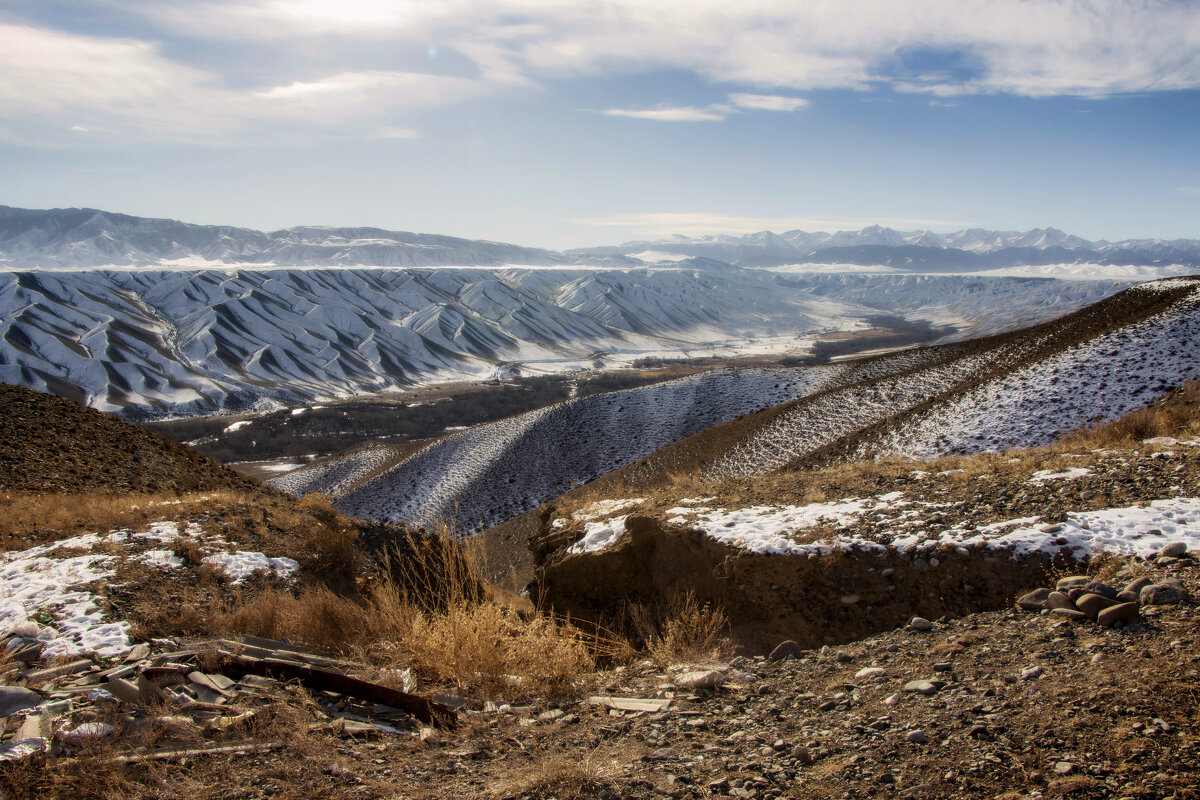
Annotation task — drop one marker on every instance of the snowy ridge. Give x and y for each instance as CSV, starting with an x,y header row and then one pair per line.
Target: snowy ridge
x,y
492,472
1024,406
155,342
1100,379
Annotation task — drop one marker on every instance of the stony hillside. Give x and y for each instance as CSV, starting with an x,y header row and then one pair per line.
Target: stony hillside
x,y
49,444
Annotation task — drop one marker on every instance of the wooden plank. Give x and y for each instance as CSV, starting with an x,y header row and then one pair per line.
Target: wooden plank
x,y
630,703
424,710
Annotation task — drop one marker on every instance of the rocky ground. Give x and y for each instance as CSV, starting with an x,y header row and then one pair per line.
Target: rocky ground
x,y
1010,704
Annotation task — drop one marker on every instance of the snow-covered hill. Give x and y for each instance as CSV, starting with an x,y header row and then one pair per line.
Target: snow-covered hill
x,y
492,472
1011,390
153,341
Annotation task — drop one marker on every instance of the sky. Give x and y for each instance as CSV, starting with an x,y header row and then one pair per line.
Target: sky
x,y
569,124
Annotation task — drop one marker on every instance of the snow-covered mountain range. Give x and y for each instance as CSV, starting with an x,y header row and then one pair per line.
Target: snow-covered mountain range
x,y
76,238
153,341
965,250
83,238
154,316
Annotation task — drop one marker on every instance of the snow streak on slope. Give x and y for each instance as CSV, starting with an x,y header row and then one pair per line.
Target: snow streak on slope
x,y
843,412
493,472
1101,379
1025,405
196,342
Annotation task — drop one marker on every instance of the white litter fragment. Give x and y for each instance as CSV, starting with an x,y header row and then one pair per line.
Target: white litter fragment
x,y
1043,475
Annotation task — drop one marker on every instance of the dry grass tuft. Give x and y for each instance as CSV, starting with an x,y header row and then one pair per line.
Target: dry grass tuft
x,y
681,629
492,651
568,776
1176,415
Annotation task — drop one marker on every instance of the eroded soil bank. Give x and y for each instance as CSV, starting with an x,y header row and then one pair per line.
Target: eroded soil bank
x,y
826,599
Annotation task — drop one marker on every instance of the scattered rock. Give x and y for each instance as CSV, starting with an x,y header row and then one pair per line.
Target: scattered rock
x,y
1072,582
1127,613
1093,604
1100,588
1033,601
1059,599
920,624
785,650
700,679
14,699
916,736
923,687
1162,594
1174,550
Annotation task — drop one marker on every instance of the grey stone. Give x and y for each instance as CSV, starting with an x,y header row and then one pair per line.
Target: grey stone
x,y
916,737
923,687
1093,604
1101,588
1031,673
1072,582
1137,584
1174,550
1064,768
785,650
1033,601
14,699
920,624
1125,612
1161,594
1059,600
699,679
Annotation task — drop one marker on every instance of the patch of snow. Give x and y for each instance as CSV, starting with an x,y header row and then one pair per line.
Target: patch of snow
x,y
162,559
237,426
242,564
602,508
169,530
32,584
598,536
1133,530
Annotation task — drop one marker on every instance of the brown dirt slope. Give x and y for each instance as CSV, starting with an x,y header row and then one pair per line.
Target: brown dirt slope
x,y
48,444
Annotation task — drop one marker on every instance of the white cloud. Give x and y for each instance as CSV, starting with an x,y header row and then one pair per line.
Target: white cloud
x,y
701,223
767,102
760,52
124,89
1026,47
671,114
396,133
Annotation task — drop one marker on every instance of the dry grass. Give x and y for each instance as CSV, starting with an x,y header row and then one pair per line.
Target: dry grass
x,y
681,629
428,611
569,776
1176,415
